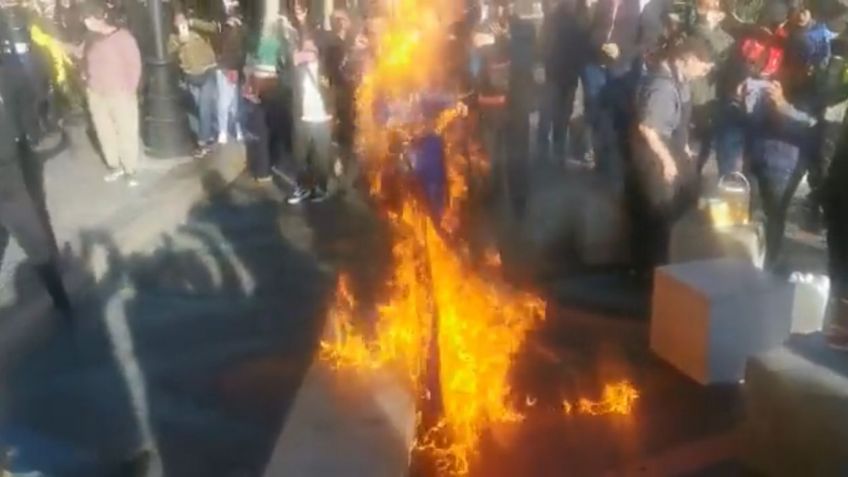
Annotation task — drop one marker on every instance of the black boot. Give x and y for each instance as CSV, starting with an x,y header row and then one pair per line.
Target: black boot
x,y
52,279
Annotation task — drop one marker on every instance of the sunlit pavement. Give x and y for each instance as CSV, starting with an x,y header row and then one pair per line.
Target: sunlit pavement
x,y
200,352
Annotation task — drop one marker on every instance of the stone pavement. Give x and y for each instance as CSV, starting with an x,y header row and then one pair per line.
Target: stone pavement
x,y
197,346
69,185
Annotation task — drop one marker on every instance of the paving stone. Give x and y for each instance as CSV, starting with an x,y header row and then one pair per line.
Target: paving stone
x,y
796,399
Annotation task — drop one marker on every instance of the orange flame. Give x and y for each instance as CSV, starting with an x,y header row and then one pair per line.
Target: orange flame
x,y
618,398
480,324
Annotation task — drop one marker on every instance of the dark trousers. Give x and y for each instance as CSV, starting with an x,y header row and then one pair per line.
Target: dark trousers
x,y
20,216
612,123
836,217
23,220
557,104
655,205
276,132
313,143
827,136
256,139
777,187
346,112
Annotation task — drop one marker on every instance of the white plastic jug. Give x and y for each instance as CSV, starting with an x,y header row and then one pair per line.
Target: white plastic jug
x,y
811,296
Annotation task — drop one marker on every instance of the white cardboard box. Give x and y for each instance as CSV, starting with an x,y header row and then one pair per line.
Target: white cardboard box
x,y
709,316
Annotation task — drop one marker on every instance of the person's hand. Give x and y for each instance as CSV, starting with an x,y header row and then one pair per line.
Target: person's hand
x,y
669,169
688,151
300,14
361,42
611,50
775,94
483,39
462,109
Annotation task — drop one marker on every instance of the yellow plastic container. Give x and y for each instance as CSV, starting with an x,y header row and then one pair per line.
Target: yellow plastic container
x,y
732,206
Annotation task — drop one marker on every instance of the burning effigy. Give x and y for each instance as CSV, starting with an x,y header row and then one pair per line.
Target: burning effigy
x,y
450,332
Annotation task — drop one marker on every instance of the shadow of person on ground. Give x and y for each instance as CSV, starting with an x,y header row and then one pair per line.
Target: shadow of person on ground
x,y
188,355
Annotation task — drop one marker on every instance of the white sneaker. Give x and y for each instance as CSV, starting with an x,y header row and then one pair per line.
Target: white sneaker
x,y
239,136
114,175
223,139
132,181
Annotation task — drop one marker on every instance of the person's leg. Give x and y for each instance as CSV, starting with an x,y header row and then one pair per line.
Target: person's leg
x,y
776,190
322,155
19,215
517,163
562,117
206,108
226,98
235,111
301,155
256,141
563,105
729,137
105,129
835,202
125,111
546,127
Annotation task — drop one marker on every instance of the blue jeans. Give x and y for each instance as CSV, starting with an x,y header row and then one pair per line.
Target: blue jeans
x,y
228,104
729,139
203,91
778,167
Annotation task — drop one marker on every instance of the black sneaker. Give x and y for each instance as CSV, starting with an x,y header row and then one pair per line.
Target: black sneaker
x,y
299,196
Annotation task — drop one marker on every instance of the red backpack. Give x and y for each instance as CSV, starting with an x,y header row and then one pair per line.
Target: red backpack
x,y
764,51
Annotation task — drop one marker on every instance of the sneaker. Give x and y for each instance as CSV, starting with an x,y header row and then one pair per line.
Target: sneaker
x,y
239,136
223,139
114,175
132,181
264,179
318,195
201,152
300,195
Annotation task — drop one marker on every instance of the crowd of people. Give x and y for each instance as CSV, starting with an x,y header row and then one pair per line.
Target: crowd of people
x,y
666,87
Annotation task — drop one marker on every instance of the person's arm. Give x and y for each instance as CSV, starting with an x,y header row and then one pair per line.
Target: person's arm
x,y
661,152
203,26
792,117
656,108
132,62
173,45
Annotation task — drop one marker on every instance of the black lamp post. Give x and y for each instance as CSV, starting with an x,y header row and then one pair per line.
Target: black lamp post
x,y
166,130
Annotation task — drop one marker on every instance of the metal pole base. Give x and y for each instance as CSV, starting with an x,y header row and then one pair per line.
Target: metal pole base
x,y
166,130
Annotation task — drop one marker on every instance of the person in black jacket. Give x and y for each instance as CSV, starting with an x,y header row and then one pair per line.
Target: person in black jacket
x,y
18,212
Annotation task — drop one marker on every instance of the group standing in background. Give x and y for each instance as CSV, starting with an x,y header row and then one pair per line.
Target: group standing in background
x,y
663,93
